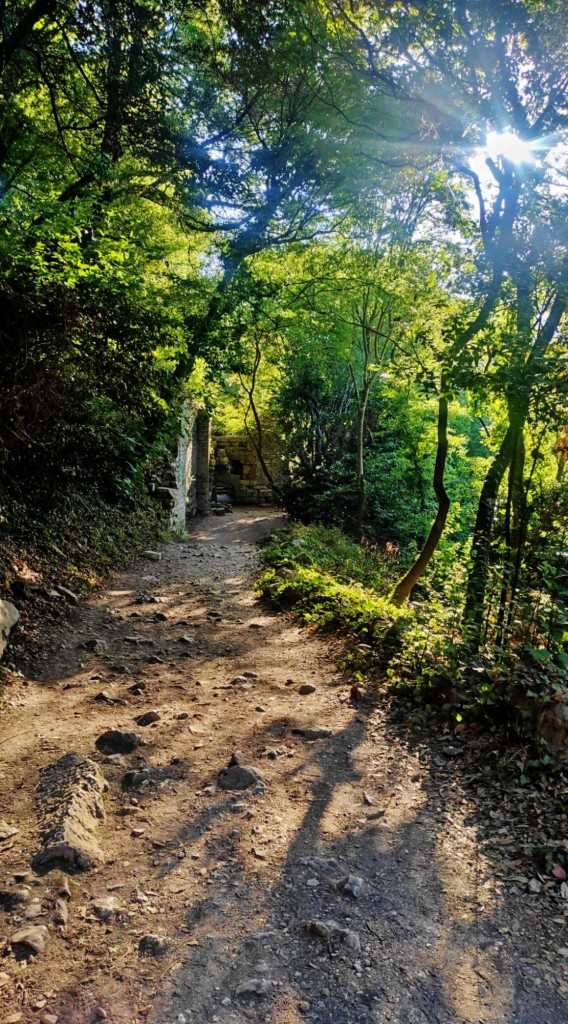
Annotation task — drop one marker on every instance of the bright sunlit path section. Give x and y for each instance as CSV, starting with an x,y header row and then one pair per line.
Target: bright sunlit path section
x,y
509,146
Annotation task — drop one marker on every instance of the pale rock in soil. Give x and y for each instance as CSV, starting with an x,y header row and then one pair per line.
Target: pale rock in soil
x,y
321,863
9,616
329,929
7,831
104,908
34,938
153,945
61,915
552,728
351,884
135,779
48,1018
70,804
254,986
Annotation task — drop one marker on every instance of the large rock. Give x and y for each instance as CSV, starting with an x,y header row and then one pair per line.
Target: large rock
x,y
33,940
70,804
552,728
9,615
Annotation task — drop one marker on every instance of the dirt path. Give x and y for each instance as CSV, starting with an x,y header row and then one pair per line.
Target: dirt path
x,y
440,933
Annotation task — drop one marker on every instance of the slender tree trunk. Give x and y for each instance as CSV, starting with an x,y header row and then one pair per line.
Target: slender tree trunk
x,y
481,543
404,587
360,460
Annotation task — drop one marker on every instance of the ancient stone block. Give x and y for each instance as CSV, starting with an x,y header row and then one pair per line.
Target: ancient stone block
x,y
70,806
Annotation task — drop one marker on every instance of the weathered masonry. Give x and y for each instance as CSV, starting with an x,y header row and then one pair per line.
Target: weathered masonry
x,y
222,468
238,475
185,485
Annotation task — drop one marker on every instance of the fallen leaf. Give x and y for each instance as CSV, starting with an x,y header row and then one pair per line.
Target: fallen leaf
x,y
559,872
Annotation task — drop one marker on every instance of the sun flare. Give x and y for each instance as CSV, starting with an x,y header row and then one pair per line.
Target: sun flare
x,y
510,146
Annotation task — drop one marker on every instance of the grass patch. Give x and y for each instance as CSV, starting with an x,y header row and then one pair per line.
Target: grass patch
x,y
329,580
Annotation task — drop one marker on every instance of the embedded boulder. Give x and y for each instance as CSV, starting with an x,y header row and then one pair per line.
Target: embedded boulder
x,y
70,806
552,728
9,616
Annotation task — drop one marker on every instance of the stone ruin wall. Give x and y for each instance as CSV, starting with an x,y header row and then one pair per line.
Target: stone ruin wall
x,y
185,486
237,470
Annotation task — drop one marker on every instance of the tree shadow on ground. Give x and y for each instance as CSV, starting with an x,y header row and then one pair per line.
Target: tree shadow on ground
x,y
426,957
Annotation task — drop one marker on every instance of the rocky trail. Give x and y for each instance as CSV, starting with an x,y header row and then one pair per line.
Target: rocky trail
x,y
242,843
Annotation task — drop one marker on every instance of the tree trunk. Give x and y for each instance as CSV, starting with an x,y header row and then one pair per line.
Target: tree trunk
x,y
481,543
360,461
404,587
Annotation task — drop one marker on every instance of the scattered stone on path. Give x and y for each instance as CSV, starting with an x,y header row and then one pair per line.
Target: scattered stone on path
x,y
7,831
46,1017
64,889
34,910
368,800
329,929
104,908
118,760
306,688
148,718
70,805
153,945
103,696
238,680
238,775
115,741
12,898
69,594
313,732
134,779
351,884
153,556
254,986
9,616
61,914
33,939
320,863
137,687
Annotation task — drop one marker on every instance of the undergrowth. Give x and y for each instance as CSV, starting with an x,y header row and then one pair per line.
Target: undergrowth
x,y
73,540
331,581
417,654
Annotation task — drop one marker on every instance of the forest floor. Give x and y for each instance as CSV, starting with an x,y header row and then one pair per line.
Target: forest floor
x,y
440,926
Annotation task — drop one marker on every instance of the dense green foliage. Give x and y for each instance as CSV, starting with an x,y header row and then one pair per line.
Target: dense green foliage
x,y
348,221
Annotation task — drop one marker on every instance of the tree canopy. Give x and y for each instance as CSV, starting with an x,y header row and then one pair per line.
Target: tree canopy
x,y
352,217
